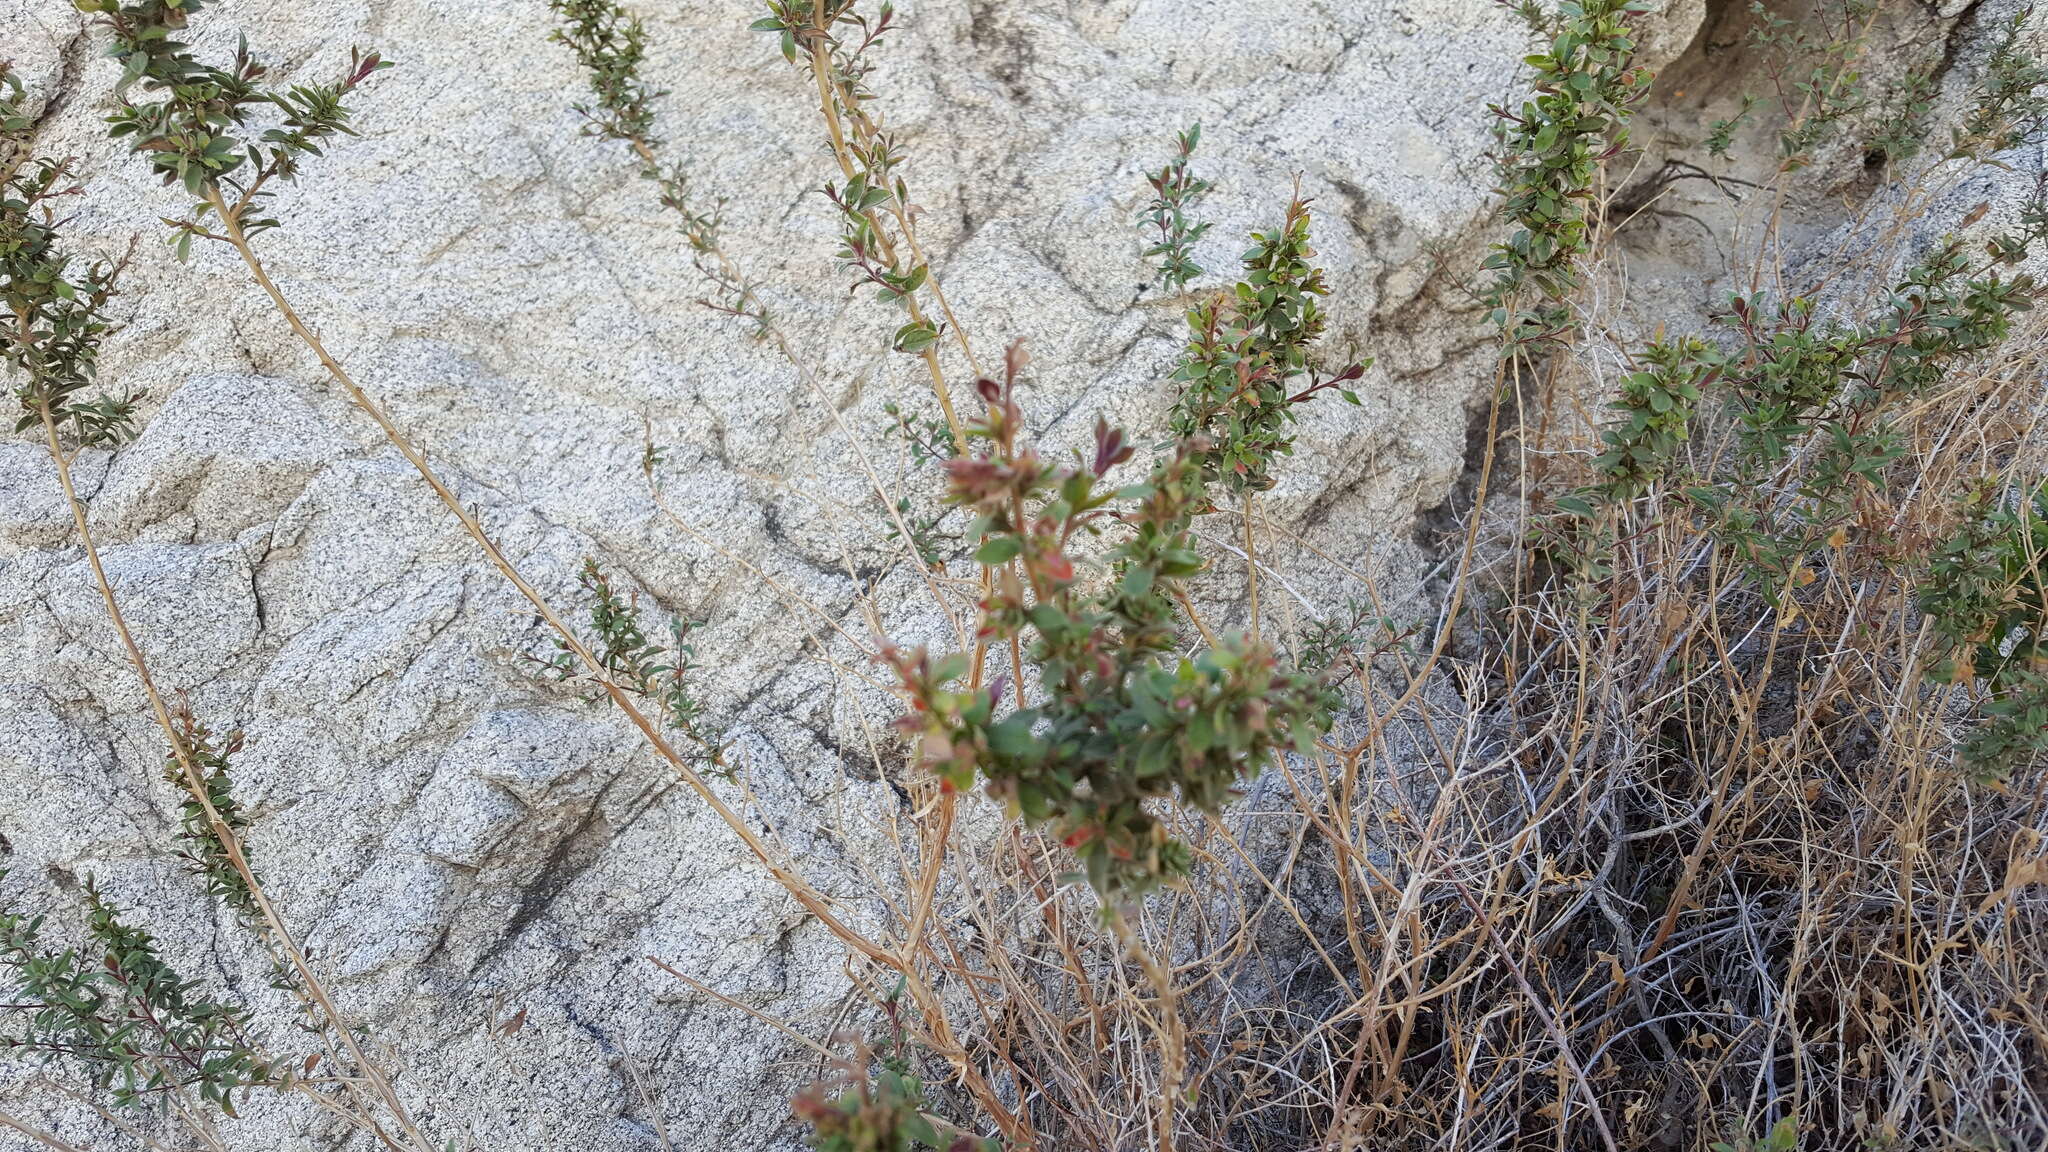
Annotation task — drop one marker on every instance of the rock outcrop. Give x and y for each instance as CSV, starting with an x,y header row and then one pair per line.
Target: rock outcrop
x,y
458,835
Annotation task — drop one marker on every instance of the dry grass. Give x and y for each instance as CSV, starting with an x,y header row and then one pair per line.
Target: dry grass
x,y
1647,878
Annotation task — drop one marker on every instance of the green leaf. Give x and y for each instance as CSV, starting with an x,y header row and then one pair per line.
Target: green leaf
x,y
915,337
918,1128
1012,739
998,550
1137,582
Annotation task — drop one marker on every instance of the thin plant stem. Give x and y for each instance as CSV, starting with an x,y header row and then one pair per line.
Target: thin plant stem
x,y
1251,562
1167,1023
812,901
195,784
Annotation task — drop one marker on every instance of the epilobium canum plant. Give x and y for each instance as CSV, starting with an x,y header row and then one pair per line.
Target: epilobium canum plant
x,y
875,1102
207,822
59,319
112,1007
1987,595
1550,149
200,134
610,44
1626,797
56,309
1175,192
1815,74
662,675
1124,721
1247,361
832,40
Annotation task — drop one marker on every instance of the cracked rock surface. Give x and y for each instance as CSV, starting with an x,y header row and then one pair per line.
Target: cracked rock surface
x,y
456,834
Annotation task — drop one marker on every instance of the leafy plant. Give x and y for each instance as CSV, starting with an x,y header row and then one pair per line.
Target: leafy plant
x,y
873,193
1246,364
1987,596
1721,134
199,135
1789,371
1656,406
1900,132
1769,442
115,1009
1122,721
658,673
1792,376
1549,149
1817,394
56,313
1175,192
875,1103
926,437
1814,73
206,822
130,1021
881,1113
611,44
1813,66
932,548
2010,107
1351,639
833,40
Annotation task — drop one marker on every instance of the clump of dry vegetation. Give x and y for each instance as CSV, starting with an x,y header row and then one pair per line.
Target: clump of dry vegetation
x,y
1707,811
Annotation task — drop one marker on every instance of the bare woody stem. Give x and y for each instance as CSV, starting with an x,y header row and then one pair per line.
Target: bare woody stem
x,y
805,895
195,784
1251,561
38,1135
937,833
905,958
1171,1029
828,107
865,129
